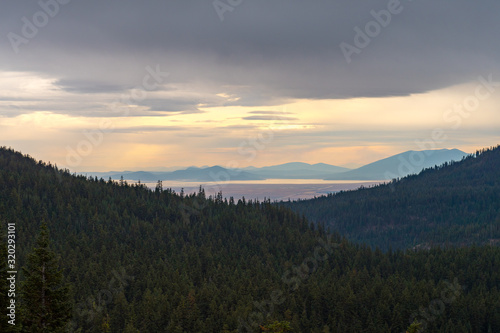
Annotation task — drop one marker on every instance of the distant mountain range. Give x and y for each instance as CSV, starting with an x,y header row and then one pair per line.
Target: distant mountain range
x,y
397,166
296,170
208,174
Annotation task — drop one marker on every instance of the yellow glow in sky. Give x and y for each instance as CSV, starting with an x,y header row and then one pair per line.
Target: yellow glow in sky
x,y
51,124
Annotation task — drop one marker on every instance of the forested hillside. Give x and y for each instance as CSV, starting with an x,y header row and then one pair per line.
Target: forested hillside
x,y
155,261
457,203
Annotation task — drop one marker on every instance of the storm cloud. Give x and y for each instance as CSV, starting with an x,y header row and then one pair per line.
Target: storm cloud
x,y
264,52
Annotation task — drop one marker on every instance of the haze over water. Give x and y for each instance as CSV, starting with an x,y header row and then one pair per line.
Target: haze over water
x,y
274,189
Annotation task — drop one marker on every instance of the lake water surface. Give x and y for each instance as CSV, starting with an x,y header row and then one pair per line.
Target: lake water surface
x,y
274,189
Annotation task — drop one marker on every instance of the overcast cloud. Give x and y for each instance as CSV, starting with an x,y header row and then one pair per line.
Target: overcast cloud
x,y
288,48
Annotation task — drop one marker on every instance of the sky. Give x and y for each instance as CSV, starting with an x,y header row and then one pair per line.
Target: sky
x,y
128,85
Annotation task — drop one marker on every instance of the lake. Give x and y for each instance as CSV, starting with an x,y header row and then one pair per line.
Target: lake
x,y
274,189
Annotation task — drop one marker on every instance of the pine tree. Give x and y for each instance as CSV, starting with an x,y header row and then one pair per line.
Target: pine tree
x,y
45,298
414,327
277,326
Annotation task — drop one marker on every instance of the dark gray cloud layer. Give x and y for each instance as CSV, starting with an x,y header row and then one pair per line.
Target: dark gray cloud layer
x,y
264,52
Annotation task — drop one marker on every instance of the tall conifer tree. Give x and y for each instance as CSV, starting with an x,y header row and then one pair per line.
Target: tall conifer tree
x,y
46,300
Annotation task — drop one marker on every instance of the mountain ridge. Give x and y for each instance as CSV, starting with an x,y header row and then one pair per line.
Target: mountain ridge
x,y
393,166
457,203
383,169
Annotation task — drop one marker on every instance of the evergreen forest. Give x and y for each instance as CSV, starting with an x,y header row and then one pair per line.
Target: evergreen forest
x,y
96,255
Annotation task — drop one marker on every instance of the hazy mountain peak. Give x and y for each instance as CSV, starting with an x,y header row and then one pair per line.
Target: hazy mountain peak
x,y
401,165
